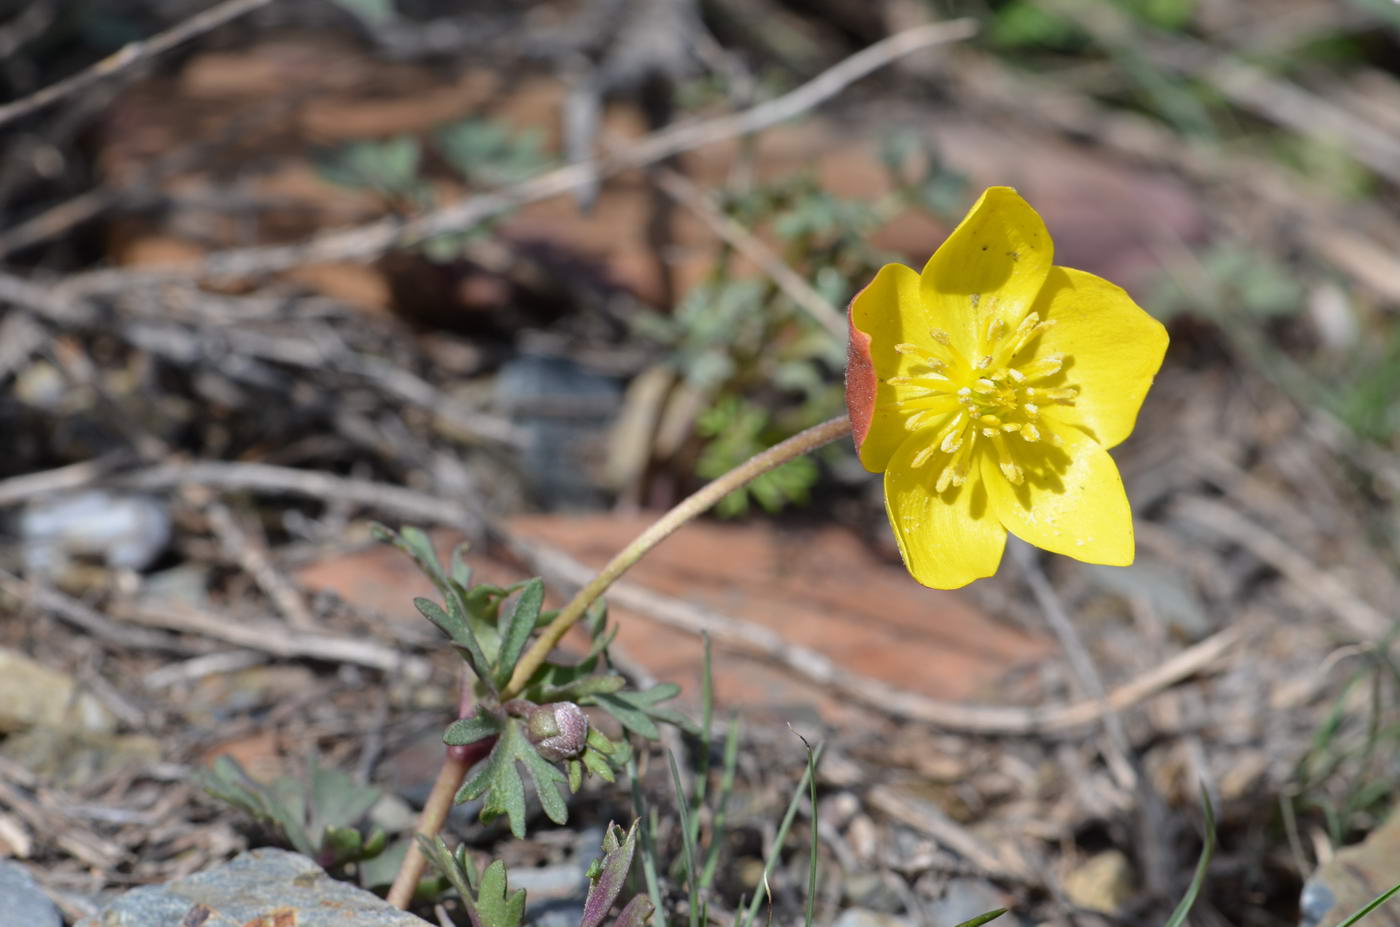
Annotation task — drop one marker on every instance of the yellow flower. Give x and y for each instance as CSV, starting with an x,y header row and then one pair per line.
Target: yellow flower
x,y
988,389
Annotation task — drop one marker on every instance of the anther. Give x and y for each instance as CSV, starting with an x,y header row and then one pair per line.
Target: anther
x,y
941,337
922,457
1030,432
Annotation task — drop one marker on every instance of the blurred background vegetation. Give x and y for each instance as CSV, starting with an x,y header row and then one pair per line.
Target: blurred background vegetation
x,y
353,239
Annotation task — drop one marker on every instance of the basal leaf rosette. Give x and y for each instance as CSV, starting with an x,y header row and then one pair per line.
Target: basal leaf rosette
x,y
988,390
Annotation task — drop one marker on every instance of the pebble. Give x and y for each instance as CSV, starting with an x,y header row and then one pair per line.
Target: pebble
x,y
22,902
125,531
256,887
33,694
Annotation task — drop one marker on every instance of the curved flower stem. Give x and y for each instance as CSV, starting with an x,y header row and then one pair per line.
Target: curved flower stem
x,y
693,505
455,766
439,803
458,762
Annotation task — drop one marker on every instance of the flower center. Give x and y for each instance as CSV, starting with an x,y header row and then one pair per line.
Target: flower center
x,y
989,400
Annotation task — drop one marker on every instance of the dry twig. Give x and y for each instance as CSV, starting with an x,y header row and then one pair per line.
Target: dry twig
x,y
767,644
375,238
128,56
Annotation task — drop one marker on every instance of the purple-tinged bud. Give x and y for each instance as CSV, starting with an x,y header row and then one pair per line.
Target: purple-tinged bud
x,y
558,730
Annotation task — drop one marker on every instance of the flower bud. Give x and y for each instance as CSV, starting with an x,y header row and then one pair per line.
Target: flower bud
x,y
558,730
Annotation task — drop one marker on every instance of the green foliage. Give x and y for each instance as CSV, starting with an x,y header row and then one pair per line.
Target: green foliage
x,y
487,897
491,640
738,429
487,152
747,916
372,12
389,167
1346,775
316,817
981,919
1022,23
490,902
497,781
478,151
1239,280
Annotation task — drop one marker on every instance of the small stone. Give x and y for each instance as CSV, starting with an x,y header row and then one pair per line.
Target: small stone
x,y
864,838
22,901
861,917
1352,877
69,759
259,886
32,694
126,531
871,892
1103,883
963,899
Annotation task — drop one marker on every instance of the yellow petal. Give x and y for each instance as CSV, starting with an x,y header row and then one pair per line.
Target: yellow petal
x,y
1113,349
889,311
992,266
948,539
1071,500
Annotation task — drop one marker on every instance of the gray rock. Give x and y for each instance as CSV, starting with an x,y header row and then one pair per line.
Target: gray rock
x,y
963,899
268,885
563,409
127,531
863,917
22,901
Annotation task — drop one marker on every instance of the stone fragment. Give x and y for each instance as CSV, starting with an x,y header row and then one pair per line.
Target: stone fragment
x,y
260,886
1352,878
69,759
1103,882
862,917
22,901
32,694
127,531
963,899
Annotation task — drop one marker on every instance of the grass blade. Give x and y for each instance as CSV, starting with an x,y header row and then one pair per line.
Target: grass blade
x,y
1207,851
781,837
726,789
1375,903
639,807
692,879
816,838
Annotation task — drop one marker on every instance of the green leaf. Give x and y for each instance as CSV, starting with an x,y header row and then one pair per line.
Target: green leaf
x,y
598,765
482,150
455,867
981,919
498,784
469,730
389,166
516,628
316,817
637,711
455,627
547,779
373,12
493,907
336,799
